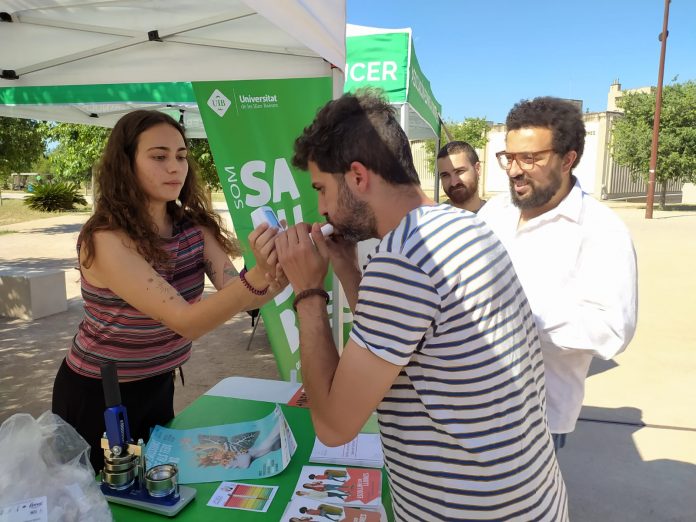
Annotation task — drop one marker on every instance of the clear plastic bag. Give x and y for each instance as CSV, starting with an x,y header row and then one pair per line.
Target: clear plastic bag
x,y
46,457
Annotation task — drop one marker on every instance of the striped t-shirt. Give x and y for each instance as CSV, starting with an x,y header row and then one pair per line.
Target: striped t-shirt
x,y
112,330
463,427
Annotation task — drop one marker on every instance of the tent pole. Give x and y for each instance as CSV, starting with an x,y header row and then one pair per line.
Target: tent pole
x,y
403,110
338,296
436,181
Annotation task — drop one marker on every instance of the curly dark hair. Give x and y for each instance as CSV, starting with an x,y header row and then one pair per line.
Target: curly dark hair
x,y
562,117
122,204
455,147
358,127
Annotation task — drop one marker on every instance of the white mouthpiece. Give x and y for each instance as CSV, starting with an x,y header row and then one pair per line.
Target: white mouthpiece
x,y
327,229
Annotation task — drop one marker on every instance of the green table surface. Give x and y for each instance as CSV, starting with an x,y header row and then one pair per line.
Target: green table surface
x,y
211,411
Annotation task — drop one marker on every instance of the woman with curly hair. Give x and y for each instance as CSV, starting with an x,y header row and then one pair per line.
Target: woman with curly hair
x,y
143,256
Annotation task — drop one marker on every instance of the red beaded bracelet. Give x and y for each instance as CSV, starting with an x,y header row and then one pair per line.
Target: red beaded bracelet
x,y
248,286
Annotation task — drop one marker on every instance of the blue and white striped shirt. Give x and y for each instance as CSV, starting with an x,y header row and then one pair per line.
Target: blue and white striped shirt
x,y
463,427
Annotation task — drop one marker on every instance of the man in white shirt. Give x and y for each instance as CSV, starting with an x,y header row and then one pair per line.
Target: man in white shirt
x,y
459,169
574,256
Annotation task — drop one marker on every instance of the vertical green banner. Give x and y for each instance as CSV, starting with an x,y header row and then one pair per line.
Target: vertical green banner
x,y
251,127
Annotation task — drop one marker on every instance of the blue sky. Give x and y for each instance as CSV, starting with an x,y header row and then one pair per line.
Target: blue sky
x,y
483,56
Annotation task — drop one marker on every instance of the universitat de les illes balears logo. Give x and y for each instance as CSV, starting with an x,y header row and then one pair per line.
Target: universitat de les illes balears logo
x,y
219,103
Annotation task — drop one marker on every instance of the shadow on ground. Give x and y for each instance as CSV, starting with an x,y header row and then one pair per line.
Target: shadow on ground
x,y
31,352
601,461
42,263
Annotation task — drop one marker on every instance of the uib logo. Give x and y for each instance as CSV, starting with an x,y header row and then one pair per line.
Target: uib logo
x,y
219,103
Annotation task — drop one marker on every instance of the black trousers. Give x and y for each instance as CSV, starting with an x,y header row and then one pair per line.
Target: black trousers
x,y
80,402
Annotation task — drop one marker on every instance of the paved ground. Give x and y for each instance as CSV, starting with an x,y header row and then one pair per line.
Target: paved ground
x,y
633,458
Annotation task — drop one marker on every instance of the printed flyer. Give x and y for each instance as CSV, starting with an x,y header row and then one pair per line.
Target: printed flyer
x,y
339,485
305,510
245,450
247,497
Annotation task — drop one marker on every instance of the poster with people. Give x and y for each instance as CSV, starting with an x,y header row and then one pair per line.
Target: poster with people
x,y
339,485
245,450
307,510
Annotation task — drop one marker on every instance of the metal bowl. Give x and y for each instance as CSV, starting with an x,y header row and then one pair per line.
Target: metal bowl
x,y
162,480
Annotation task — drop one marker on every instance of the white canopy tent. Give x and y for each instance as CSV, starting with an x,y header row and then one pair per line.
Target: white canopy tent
x,y
90,61
87,61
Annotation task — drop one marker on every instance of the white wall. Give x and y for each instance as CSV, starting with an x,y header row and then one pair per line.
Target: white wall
x,y
586,171
495,178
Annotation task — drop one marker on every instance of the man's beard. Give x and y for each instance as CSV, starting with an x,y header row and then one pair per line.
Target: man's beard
x,y
460,194
354,220
537,196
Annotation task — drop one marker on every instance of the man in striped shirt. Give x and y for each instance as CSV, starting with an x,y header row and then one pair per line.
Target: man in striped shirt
x,y
443,344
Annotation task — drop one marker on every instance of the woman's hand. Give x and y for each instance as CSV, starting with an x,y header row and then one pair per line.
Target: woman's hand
x,y
262,243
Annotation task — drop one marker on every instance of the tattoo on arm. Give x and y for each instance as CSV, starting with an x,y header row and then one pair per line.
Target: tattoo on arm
x,y
209,270
229,273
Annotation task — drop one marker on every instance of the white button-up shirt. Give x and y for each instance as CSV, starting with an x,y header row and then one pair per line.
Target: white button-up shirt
x,y
577,265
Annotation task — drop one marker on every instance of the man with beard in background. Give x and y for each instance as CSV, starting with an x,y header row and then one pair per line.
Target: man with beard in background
x,y
574,256
459,170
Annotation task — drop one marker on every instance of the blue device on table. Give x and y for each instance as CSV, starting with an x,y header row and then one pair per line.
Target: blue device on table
x,y
125,477
115,414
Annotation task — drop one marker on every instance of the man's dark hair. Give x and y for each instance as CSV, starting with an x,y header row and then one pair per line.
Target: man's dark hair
x,y
455,147
562,117
358,127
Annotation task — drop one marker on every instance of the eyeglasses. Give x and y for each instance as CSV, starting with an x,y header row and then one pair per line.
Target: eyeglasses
x,y
526,160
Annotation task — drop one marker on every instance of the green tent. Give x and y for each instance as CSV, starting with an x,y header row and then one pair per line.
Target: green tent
x,y
386,58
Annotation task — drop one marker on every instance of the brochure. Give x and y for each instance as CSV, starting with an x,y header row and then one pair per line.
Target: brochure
x,y
363,450
307,510
339,485
254,449
299,399
248,497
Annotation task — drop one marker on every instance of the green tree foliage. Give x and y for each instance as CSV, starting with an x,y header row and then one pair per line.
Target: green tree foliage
x,y
632,134
78,149
200,152
21,144
42,166
471,130
55,197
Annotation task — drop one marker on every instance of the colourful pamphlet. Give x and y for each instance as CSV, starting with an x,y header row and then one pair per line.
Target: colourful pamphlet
x,y
306,510
254,449
340,485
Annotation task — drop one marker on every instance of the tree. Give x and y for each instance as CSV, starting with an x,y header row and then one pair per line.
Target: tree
x,y
471,130
42,166
200,152
632,135
21,144
78,149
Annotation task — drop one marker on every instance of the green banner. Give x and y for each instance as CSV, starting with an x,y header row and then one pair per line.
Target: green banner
x,y
378,60
388,61
420,95
102,93
251,127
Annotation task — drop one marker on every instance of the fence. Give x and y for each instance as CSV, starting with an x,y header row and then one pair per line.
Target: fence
x,y
424,165
620,184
